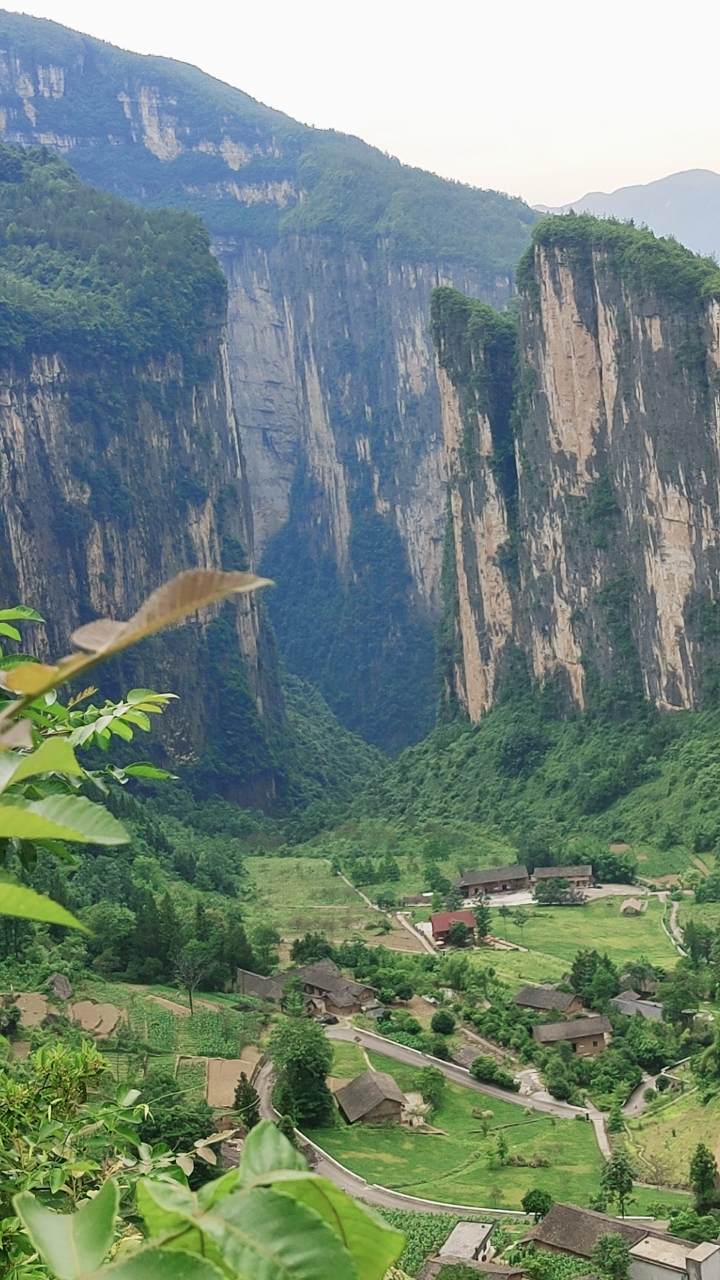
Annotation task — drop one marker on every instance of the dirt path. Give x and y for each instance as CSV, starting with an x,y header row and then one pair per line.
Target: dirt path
x,y
425,943
182,1010
675,932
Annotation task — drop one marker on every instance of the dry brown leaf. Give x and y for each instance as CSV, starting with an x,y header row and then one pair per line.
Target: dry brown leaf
x,y
189,591
18,736
186,593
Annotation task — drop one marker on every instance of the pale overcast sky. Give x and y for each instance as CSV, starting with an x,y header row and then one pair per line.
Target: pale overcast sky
x,y
547,99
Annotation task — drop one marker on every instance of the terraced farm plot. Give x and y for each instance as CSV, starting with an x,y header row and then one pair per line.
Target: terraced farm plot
x,y
562,931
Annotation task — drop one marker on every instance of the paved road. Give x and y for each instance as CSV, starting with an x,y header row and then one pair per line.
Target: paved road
x,y
416,933
371,1193
458,1075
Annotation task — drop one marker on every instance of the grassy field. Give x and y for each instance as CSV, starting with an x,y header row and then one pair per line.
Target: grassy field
x,y
459,1166
664,1140
520,966
562,931
298,895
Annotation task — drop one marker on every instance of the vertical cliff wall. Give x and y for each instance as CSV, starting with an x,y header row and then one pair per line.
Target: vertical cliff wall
x,y
120,459
330,250
617,464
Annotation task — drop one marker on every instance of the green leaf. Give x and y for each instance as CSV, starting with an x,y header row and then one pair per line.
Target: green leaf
x,y
264,1236
26,904
373,1244
265,1150
20,613
159,1264
60,818
55,755
7,630
72,1244
145,770
170,1215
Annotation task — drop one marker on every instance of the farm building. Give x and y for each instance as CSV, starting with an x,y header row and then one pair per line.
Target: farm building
x,y
543,998
442,922
633,907
588,1036
630,1003
331,991
473,884
656,1255
469,1242
577,877
372,1098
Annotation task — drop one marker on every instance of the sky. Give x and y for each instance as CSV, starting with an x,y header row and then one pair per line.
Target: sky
x,y
547,99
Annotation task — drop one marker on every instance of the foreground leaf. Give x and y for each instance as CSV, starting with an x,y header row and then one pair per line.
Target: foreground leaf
x,y
60,818
264,1236
265,1150
72,1244
373,1245
26,904
158,1264
55,755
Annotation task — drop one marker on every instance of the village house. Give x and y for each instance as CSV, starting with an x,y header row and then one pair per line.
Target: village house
x,y
656,1255
372,1098
577,877
472,884
588,1036
633,907
442,922
325,988
469,1242
630,1003
543,998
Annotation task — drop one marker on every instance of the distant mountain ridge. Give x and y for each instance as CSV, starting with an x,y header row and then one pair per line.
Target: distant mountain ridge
x,y
684,205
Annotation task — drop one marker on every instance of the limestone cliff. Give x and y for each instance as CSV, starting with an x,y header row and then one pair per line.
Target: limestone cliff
x,y
120,459
330,250
613,584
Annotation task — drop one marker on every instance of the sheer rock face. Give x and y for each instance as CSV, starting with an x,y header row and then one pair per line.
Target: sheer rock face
x,y
333,374
92,519
617,524
330,358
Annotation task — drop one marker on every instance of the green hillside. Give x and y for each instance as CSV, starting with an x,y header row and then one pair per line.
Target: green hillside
x,y
220,138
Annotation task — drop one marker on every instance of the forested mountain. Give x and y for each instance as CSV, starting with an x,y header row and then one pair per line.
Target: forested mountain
x,y
330,250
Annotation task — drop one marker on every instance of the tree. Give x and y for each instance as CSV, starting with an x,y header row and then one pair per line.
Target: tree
x,y
501,1148
443,1022
521,918
432,1086
611,1257
191,966
458,934
453,899
313,946
303,1058
703,1172
617,1180
247,1102
264,940
537,1202
481,911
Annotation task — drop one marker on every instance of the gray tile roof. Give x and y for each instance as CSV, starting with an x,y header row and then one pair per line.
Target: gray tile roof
x,y
551,1032
562,873
366,1092
326,976
545,998
492,874
577,1231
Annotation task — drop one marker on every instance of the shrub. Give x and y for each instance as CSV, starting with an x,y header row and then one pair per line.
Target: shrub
x,y
486,1069
443,1022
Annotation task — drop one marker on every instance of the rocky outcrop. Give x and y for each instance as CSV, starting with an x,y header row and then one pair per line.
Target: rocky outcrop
x,y
615,529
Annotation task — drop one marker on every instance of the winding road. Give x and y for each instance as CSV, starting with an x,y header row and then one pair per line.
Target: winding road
x,y
383,1197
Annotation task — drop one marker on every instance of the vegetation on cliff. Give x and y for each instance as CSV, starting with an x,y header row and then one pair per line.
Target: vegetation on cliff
x,y
349,188
86,275
656,265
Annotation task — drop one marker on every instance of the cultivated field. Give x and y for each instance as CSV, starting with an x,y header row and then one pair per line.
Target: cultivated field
x,y
663,1140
